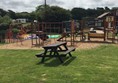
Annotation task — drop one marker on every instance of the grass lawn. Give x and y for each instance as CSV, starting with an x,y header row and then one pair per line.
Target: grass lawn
x,y
98,65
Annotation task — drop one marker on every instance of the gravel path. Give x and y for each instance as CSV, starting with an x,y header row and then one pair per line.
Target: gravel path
x,y
27,45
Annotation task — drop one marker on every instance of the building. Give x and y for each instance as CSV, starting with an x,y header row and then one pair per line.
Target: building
x,y
20,20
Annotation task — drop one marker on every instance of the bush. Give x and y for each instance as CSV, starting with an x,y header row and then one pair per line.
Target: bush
x,y
4,26
2,35
5,19
15,30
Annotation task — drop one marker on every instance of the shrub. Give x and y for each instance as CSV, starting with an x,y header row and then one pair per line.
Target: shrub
x,y
15,30
4,26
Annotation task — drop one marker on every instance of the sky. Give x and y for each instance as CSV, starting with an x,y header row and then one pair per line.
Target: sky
x,y
30,5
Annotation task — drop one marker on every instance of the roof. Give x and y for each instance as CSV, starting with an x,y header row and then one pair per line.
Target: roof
x,y
102,15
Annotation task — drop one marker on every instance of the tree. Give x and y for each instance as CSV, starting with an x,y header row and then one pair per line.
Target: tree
x,y
58,14
2,12
91,12
114,8
4,25
25,15
78,13
32,16
11,14
100,10
5,19
52,13
107,9
41,11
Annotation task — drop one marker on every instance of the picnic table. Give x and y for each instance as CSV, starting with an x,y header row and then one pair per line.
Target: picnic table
x,y
58,50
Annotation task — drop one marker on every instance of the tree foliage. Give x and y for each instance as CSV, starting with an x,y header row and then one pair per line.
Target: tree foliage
x,y
52,13
78,13
5,20
56,14
3,12
11,14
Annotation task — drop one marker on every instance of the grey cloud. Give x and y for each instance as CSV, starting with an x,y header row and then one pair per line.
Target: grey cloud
x,y
99,3
21,5
96,1
54,2
109,3
30,5
18,6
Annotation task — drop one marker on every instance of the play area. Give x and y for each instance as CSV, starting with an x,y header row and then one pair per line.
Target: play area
x,y
101,30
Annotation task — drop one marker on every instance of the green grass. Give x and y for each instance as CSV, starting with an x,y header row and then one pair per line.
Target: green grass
x,y
98,65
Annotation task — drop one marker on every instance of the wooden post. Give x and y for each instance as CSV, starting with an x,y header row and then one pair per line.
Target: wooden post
x,y
105,30
32,33
72,32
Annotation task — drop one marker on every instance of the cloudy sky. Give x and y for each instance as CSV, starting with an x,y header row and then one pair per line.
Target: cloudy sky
x,y
30,5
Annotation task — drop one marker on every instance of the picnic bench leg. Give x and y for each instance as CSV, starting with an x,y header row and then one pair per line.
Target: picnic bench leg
x,y
60,48
60,59
67,49
44,56
43,59
51,52
57,54
70,54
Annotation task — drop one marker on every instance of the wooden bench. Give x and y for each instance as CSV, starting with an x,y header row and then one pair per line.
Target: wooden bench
x,y
96,34
40,54
68,51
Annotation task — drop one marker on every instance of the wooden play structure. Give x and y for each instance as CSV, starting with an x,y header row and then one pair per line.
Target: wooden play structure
x,y
72,32
21,34
97,34
40,31
71,29
9,35
18,35
107,31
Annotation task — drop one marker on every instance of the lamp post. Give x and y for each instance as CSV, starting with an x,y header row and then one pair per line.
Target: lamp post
x,y
45,3
45,10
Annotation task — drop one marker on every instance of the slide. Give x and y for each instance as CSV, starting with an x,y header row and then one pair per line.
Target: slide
x,y
63,35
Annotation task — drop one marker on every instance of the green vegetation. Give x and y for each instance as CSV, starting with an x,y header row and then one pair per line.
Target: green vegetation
x,y
98,65
56,13
3,28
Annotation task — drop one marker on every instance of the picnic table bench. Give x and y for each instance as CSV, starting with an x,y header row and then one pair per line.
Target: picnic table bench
x,y
56,50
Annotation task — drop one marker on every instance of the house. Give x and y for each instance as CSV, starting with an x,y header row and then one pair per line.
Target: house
x,y
21,20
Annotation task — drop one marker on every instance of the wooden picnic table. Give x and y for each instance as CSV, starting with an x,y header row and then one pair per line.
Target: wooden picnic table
x,y
58,50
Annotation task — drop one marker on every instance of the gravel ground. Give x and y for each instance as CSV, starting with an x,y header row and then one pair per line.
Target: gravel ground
x,y
27,45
